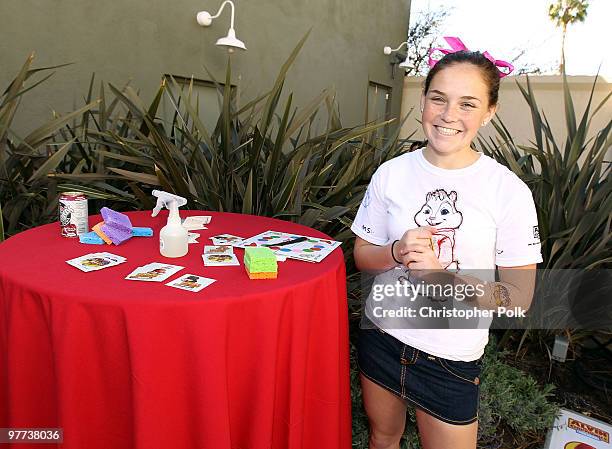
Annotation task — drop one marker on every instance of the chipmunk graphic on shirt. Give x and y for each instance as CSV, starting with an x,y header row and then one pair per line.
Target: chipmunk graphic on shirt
x,y
441,212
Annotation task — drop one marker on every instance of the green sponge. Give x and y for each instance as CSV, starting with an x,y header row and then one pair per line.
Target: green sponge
x,y
260,259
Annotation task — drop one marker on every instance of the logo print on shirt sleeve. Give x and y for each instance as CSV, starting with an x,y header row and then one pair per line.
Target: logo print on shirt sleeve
x,y
366,198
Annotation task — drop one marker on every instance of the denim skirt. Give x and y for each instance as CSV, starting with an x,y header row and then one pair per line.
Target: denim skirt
x,y
445,389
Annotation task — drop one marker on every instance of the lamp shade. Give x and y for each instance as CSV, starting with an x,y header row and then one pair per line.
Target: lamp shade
x,y
231,41
405,64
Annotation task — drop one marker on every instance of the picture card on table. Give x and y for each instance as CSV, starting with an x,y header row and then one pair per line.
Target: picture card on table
x,y
293,246
220,260
96,261
196,222
218,249
226,239
153,272
191,282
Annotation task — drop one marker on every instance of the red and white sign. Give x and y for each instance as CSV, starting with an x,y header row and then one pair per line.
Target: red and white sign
x,y
572,430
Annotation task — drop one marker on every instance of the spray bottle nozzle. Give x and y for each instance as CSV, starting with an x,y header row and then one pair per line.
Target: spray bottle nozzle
x,y
167,200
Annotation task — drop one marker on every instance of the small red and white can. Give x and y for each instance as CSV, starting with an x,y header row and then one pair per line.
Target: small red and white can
x,y
73,214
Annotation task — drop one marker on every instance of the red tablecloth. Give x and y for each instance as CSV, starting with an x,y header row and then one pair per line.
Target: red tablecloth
x,y
243,364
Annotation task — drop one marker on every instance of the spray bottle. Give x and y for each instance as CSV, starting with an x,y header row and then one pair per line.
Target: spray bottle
x,y
173,239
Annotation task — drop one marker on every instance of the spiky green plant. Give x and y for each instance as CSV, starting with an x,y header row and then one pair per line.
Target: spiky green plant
x,y
263,158
27,196
570,183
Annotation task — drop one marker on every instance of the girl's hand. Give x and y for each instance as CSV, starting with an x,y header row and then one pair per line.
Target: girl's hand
x,y
421,236
415,250
420,257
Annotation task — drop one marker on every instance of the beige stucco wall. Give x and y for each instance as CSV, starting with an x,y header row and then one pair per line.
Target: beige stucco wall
x,y
143,39
514,111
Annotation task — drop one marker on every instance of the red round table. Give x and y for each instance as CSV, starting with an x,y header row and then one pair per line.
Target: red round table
x,y
242,364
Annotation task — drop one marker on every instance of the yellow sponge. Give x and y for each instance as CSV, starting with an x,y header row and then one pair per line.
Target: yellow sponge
x,y
262,275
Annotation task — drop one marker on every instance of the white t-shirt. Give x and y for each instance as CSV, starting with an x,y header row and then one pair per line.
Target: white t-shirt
x,y
485,217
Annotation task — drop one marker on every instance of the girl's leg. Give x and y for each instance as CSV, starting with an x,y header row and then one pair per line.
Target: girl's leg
x,y
386,413
436,434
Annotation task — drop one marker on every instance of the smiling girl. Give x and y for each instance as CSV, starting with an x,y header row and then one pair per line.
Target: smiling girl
x,y
442,207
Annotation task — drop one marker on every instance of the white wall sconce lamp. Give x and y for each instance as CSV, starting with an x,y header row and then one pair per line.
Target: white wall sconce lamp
x,y
402,65
230,41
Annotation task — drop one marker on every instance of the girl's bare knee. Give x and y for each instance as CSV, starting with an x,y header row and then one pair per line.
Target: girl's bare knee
x,y
385,440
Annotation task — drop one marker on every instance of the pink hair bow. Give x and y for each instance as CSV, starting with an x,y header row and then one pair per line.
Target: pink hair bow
x,y
435,54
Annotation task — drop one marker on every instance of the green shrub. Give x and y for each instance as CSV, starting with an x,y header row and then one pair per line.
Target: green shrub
x,y
510,397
